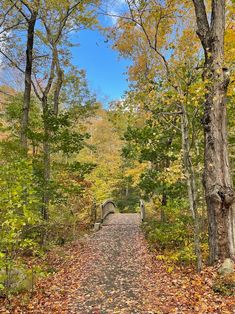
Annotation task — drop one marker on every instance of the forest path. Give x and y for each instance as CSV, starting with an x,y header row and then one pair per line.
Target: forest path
x,y
112,272
115,282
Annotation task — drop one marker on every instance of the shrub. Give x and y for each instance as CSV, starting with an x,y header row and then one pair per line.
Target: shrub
x,y
174,239
19,214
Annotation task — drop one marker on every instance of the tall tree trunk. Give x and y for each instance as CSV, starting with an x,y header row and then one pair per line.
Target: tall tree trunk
x,y
59,82
28,79
47,133
191,184
188,167
163,204
217,179
127,190
46,161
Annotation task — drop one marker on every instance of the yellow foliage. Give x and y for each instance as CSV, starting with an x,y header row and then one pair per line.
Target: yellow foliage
x,y
173,173
106,156
135,172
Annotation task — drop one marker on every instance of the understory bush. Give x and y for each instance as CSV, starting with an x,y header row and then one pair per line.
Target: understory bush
x,y
173,240
19,222
24,235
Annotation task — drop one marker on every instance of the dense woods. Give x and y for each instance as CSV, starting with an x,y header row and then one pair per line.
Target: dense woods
x,y
169,141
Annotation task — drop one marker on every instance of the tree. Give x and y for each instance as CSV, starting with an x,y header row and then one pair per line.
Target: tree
x,y
143,35
57,21
31,21
217,179
48,71
153,24
22,13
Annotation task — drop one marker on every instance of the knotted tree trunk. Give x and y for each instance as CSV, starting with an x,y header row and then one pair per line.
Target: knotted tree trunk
x,y
217,175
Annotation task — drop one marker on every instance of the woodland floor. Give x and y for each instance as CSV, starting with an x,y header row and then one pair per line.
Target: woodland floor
x,y
112,271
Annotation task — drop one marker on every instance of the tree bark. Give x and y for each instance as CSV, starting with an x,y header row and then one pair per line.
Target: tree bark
x,y
191,184
188,167
163,204
46,161
55,64
28,79
59,82
217,179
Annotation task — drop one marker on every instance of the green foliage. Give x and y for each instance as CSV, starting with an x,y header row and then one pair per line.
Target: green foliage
x,y
19,217
14,111
126,196
22,185
169,235
174,239
76,96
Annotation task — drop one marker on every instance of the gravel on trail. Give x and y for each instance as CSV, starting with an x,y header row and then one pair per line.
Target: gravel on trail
x,y
114,284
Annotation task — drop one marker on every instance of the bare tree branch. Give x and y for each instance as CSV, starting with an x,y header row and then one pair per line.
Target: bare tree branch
x,y
20,10
11,61
7,12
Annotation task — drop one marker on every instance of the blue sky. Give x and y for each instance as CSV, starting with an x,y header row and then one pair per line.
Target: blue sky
x,y
104,67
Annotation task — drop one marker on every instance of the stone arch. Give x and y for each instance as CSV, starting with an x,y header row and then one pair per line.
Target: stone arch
x,y
108,207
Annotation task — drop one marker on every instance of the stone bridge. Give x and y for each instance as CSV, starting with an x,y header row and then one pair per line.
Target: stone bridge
x,y
109,215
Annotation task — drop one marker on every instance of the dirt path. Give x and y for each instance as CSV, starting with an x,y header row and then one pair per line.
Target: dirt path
x,y
114,284
123,277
